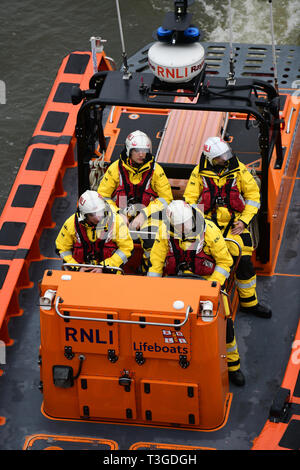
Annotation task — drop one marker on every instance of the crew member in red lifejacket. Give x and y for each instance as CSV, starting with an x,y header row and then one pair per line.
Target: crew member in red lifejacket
x,y
230,198
94,235
186,243
139,188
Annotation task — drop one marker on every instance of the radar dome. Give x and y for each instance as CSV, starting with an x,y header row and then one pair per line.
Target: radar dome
x,y
176,63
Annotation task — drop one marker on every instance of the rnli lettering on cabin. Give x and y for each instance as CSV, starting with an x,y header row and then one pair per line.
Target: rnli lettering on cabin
x,y
161,343
90,335
168,343
156,348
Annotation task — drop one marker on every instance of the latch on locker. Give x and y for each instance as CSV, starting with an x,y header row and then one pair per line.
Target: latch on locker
x,y
125,380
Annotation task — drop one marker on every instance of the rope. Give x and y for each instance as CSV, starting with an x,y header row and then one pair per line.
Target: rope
x,y
96,172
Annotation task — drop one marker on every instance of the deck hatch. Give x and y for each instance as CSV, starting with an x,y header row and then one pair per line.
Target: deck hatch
x,y
106,398
169,402
56,442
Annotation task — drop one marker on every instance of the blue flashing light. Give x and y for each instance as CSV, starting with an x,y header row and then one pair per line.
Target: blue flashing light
x,y
163,33
191,33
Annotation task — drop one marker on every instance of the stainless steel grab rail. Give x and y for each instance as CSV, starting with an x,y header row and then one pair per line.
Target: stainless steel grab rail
x,y
288,127
91,266
112,320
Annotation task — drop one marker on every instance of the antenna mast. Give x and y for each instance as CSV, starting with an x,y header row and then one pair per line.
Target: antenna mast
x,y
126,74
231,76
273,48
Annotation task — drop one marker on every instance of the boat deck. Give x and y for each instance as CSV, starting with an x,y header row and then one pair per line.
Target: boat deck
x,y
264,345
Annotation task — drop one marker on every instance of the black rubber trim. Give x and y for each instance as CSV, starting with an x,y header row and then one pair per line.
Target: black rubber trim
x,y
21,253
3,272
55,121
11,233
297,387
291,437
26,195
40,159
50,140
77,63
63,92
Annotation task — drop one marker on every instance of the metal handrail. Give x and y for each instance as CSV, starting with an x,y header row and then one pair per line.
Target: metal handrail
x,y
288,127
91,266
112,320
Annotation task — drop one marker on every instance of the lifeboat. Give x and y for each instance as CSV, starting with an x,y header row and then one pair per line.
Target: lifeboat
x,y
113,362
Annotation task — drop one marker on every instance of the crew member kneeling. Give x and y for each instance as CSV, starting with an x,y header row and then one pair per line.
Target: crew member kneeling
x,y
94,235
186,243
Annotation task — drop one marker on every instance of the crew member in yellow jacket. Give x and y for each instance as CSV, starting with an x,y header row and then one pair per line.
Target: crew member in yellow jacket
x,y
187,244
139,188
94,235
229,196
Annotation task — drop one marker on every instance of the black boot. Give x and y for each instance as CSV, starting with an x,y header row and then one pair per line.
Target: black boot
x,y
237,377
258,310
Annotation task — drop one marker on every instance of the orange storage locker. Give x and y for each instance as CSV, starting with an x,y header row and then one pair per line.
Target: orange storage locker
x,y
133,349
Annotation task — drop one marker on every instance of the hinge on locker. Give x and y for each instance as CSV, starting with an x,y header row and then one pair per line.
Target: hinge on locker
x,y
139,358
69,353
183,362
111,355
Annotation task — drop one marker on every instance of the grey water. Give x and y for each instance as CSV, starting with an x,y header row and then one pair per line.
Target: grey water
x,y
36,35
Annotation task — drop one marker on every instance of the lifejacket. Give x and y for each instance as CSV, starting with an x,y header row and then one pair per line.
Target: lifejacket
x,y
87,252
140,193
196,261
227,196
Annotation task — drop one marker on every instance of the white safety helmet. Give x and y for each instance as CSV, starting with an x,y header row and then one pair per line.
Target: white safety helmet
x,y
138,140
90,202
216,147
179,212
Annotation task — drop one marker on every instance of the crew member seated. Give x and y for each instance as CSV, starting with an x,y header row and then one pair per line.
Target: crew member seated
x,y
95,235
186,243
138,186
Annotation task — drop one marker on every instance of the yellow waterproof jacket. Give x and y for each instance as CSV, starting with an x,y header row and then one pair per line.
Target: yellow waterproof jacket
x,y
214,245
245,182
119,235
159,183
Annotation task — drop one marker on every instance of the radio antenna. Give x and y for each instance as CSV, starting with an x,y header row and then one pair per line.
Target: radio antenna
x,y
126,73
273,48
231,74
